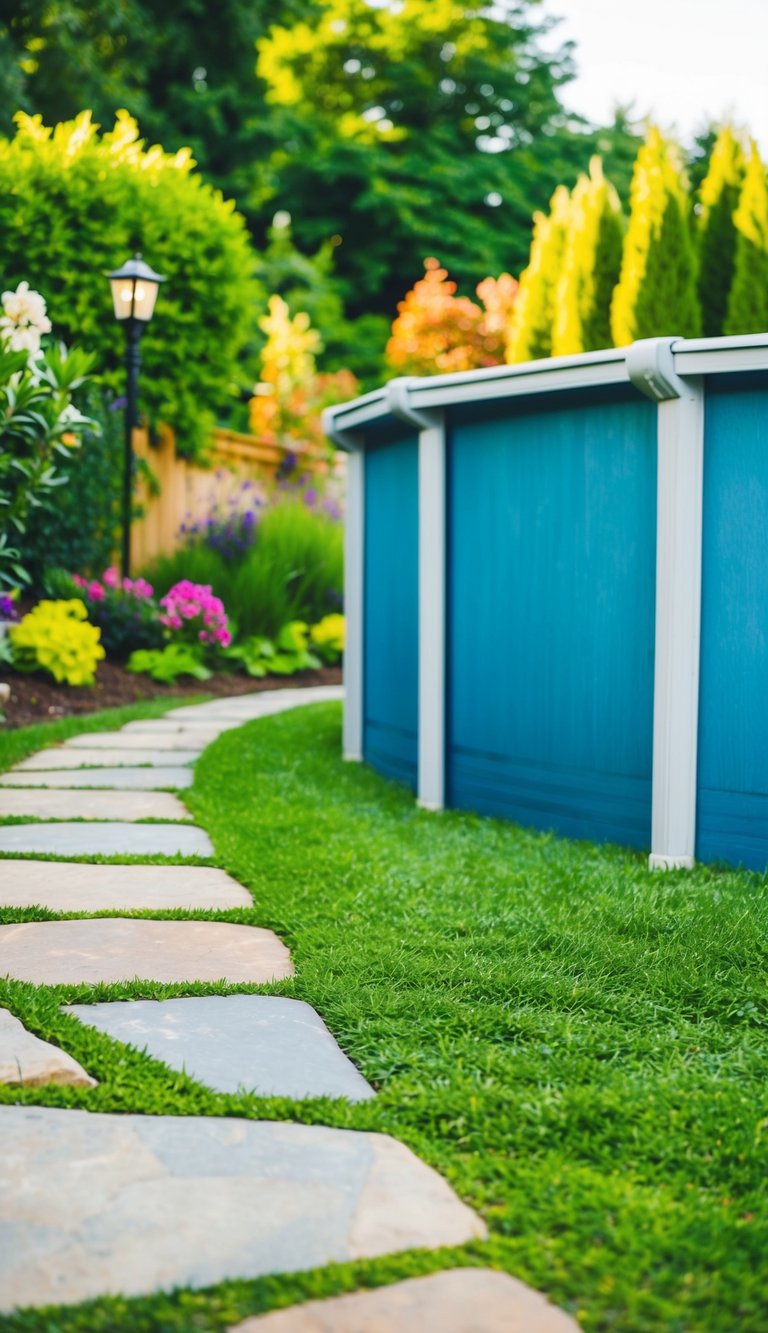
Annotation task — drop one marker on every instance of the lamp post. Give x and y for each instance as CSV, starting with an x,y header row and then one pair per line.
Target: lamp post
x,y
134,292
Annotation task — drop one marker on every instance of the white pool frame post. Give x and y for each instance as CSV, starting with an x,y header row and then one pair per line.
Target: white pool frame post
x,y
354,573
432,591
354,546
651,368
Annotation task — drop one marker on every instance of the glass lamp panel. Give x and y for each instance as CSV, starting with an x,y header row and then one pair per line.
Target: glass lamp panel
x,y
133,298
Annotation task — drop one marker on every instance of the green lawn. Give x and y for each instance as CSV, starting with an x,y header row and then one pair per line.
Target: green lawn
x,y
576,1044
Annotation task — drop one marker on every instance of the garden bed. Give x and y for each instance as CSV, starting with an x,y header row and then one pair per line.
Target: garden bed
x,y
36,698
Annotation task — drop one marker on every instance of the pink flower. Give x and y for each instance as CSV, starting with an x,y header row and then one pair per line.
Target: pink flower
x,y
79,581
111,578
95,591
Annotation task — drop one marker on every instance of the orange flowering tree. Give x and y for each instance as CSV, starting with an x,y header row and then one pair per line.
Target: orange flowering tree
x,y
437,331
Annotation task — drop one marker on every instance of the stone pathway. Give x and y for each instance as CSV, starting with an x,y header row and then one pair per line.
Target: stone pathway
x,y
105,839
43,803
106,950
116,779
26,1059
94,1204
235,1042
62,887
459,1300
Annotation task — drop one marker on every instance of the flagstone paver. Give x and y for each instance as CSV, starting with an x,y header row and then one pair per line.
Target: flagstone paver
x,y
43,803
459,1300
260,1043
25,1058
67,953
98,758
118,779
135,740
195,727
93,1203
106,839
69,887
248,706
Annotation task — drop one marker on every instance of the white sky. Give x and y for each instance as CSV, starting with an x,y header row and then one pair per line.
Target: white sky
x,y
683,62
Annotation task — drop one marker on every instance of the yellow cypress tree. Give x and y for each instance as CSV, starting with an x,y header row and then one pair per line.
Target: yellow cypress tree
x,y
530,333
748,298
719,198
591,265
656,292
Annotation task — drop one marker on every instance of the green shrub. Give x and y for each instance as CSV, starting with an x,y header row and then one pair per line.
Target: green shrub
x,y
168,663
40,429
74,205
81,532
294,571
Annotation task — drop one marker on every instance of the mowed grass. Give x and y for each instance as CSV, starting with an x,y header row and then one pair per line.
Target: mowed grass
x,y
576,1044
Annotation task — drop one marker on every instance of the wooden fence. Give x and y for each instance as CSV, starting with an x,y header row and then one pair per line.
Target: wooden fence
x,y
179,492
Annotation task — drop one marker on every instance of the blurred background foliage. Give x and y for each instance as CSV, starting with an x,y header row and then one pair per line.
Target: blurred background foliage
x,y
339,145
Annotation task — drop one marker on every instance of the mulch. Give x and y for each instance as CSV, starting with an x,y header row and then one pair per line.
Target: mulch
x,y
36,698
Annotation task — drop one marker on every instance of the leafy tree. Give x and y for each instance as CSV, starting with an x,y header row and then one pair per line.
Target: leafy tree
x,y
530,333
720,191
437,331
193,86
418,126
478,138
74,205
590,268
748,300
656,292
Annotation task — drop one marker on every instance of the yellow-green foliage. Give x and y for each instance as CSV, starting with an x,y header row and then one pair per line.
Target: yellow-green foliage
x,y
719,197
74,204
530,334
56,637
748,300
591,265
656,292
327,636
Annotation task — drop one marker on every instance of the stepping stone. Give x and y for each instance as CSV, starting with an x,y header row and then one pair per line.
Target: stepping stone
x,y
67,887
63,758
92,1204
460,1300
135,740
256,1043
26,1059
86,839
117,779
44,804
198,730
249,706
68,953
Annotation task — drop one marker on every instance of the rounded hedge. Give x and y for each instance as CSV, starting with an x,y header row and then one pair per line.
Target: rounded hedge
x,y
74,204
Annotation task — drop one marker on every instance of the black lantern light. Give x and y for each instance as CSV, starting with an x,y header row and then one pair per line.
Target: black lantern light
x,y
134,292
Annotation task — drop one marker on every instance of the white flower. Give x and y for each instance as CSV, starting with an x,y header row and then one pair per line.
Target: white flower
x,y
21,339
25,308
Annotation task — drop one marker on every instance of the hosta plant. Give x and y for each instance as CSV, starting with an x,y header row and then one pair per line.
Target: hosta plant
x,y
167,664
56,637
